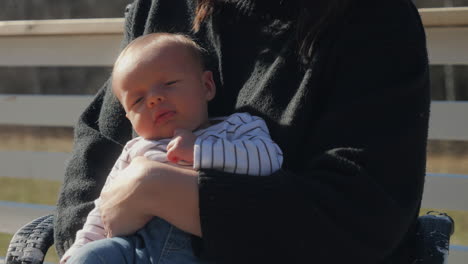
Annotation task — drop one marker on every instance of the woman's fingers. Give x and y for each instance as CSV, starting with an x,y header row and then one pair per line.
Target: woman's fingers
x,y
121,208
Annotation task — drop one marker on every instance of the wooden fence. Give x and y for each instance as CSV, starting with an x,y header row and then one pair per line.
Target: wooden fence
x,y
54,43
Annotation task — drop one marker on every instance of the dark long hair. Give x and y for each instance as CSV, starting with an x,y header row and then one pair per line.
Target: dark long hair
x,y
314,17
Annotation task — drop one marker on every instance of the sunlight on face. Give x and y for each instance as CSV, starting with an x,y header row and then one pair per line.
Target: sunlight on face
x,y
162,87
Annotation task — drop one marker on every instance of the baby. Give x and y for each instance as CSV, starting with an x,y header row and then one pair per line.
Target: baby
x,y
161,83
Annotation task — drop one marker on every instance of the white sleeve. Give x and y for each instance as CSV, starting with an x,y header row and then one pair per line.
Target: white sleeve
x,y
247,149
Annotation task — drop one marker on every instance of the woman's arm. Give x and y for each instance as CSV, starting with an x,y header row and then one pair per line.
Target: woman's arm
x,y
356,191
151,189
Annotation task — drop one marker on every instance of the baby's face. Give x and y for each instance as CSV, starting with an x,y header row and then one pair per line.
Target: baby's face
x,y
163,91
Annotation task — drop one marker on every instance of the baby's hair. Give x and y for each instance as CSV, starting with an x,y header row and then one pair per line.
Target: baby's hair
x,y
154,38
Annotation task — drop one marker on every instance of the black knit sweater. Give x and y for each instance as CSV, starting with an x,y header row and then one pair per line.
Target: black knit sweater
x,y
352,124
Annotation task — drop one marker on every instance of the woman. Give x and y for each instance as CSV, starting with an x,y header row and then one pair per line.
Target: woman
x,y
344,89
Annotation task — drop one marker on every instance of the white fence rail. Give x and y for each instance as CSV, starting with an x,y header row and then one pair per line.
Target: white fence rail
x,y
66,50
95,42
444,17
67,42
54,42
447,34
449,120
42,110
447,191
33,165
448,45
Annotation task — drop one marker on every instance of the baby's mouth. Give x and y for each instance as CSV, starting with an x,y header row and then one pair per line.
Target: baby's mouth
x,y
163,116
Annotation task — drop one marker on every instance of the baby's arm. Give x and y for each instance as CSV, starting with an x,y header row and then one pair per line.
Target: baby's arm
x,y
246,148
180,148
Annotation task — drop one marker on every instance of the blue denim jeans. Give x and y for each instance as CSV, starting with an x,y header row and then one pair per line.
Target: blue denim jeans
x,y
158,242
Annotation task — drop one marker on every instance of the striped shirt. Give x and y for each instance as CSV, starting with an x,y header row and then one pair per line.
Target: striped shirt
x,y
239,144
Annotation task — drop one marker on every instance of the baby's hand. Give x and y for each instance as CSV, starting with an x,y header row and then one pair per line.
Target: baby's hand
x,y
181,146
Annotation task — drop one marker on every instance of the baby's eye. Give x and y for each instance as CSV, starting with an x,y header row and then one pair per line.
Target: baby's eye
x,y
137,100
171,82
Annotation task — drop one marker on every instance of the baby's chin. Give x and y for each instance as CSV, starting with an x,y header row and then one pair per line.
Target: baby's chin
x,y
158,135
151,135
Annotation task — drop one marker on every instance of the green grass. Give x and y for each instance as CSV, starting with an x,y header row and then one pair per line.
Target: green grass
x,y
5,239
4,242
29,190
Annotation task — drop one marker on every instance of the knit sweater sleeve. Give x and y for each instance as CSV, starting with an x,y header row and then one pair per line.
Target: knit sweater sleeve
x,y
360,186
102,128
93,157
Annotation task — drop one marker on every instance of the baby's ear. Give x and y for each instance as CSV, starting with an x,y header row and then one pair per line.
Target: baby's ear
x,y
209,84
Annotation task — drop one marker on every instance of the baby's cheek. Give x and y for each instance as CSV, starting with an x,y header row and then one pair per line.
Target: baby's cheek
x,y
144,130
139,128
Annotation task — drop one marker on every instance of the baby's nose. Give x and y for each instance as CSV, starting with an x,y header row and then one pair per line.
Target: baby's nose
x,y
154,99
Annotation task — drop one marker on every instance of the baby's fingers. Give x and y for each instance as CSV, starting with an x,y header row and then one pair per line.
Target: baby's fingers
x,y
172,155
171,144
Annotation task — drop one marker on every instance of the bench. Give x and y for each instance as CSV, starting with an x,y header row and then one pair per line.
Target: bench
x,y
53,43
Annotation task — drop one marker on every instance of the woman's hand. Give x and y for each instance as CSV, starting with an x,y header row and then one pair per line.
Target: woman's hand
x,y
146,189
121,208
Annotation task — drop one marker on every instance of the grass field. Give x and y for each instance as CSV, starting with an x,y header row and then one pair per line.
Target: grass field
x,y
29,190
